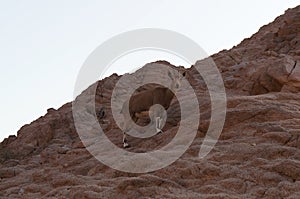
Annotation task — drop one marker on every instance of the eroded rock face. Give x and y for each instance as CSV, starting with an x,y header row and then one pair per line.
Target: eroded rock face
x,y
266,62
257,155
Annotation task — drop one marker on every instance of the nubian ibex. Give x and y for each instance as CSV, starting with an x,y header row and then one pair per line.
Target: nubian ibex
x,y
142,102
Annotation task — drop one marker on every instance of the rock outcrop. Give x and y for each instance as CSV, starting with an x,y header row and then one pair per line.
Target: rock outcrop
x,y
257,155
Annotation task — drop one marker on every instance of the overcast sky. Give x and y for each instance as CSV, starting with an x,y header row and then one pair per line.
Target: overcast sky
x,y
44,43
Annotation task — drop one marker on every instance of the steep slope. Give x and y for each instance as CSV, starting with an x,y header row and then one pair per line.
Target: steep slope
x,y
257,156
266,62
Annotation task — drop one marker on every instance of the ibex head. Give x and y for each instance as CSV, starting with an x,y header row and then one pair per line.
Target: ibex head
x,y
176,79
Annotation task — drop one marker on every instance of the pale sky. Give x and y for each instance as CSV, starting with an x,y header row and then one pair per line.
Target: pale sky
x,y
44,43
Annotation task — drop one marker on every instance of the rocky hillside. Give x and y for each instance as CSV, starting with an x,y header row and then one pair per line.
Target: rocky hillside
x,y
257,155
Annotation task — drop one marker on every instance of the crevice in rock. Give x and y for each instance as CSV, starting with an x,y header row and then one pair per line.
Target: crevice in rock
x,y
231,57
295,64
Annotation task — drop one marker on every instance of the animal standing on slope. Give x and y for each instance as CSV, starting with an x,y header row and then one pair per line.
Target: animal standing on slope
x,y
144,100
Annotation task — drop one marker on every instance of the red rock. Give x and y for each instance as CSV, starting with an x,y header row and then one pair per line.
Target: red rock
x,y
257,155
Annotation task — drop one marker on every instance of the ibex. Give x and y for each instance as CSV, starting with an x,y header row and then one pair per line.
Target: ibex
x,y
144,100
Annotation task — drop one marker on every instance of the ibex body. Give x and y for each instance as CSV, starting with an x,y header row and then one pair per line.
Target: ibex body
x,y
143,101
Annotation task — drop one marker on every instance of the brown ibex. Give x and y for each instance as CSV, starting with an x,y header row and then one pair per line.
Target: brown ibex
x,y
144,100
